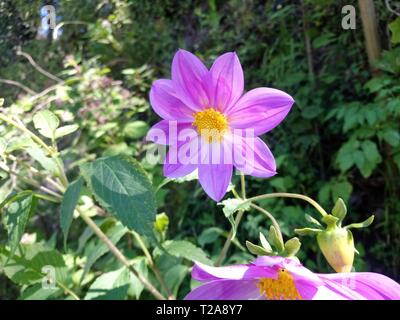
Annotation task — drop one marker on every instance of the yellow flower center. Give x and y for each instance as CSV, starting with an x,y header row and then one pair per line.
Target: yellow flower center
x,y
211,124
282,288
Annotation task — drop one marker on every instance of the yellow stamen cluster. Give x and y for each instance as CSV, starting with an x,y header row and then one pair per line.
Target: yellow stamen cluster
x,y
282,288
211,124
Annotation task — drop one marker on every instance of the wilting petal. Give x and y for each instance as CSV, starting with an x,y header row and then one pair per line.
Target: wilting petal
x,y
226,290
252,156
188,74
372,286
226,83
202,272
261,109
165,103
181,159
166,132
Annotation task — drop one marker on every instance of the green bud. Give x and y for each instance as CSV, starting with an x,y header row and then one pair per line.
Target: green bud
x,y
161,223
336,242
337,246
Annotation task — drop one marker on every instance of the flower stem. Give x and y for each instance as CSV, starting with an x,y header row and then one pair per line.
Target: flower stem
x,y
243,184
238,218
290,195
120,256
228,241
153,265
271,217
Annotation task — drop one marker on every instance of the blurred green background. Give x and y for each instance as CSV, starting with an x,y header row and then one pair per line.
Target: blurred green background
x,y
341,138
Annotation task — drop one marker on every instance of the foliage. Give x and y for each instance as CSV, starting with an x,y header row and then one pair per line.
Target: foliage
x,y
341,140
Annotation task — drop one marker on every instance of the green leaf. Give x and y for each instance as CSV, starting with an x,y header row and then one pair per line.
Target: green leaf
x,y
311,112
174,277
209,235
29,267
307,231
363,224
341,189
136,129
274,239
323,40
47,163
37,292
232,205
257,250
372,157
68,204
292,246
46,122
1,102
394,28
186,250
115,233
65,130
17,210
392,137
123,189
339,210
112,285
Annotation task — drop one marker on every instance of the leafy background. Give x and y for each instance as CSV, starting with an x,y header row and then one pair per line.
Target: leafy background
x,y
341,138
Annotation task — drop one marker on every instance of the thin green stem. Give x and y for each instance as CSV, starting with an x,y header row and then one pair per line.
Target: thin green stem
x,y
290,195
48,198
243,184
69,291
27,131
153,265
238,218
31,182
120,256
271,217
228,241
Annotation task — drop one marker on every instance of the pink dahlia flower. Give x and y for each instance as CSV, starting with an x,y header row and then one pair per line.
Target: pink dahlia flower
x,y
211,125
278,278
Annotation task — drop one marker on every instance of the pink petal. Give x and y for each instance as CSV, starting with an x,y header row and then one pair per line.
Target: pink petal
x,y
215,178
182,159
226,81
202,272
227,290
253,157
261,109
269,261
166,132
165,103
372,286
188,73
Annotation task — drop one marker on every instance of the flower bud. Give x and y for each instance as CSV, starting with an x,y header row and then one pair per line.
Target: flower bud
x,y
337,246
336,242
